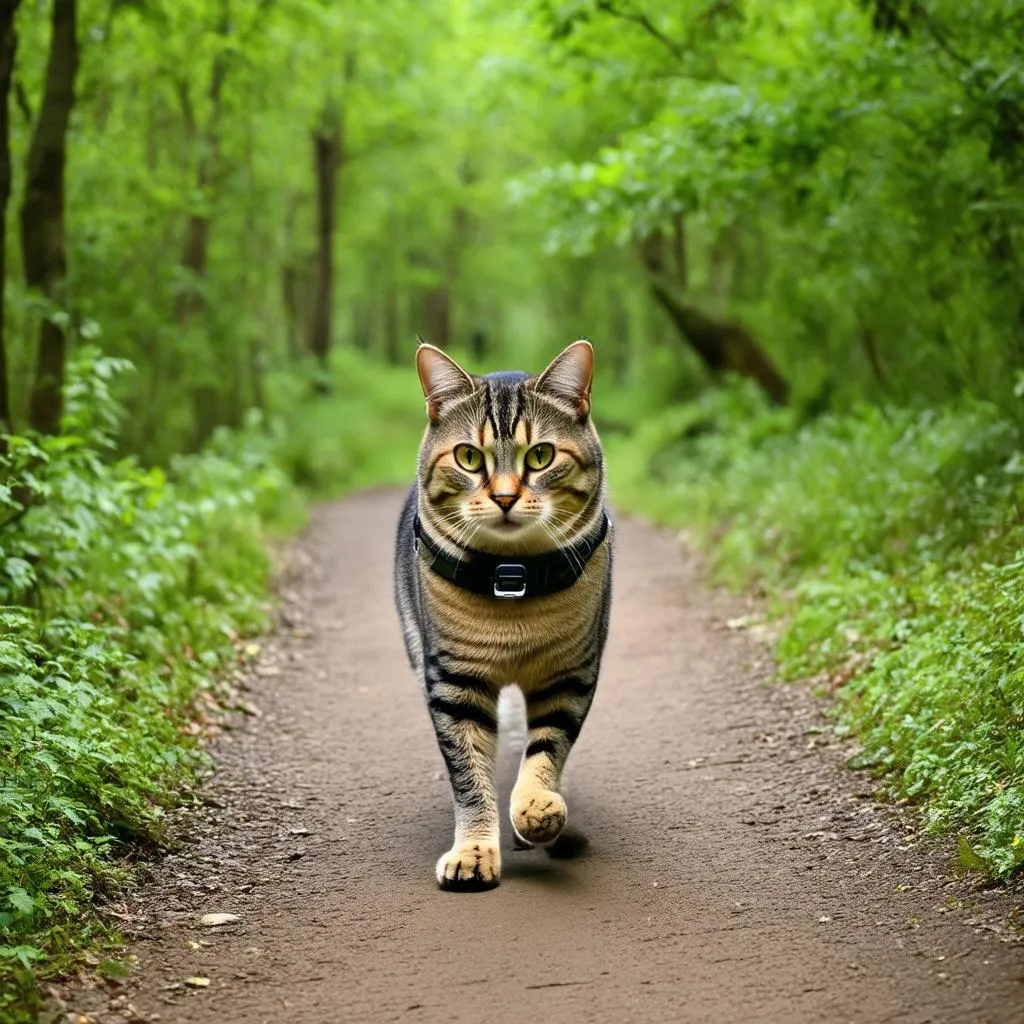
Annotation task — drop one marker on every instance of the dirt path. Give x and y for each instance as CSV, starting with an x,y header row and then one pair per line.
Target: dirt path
x,y
735,874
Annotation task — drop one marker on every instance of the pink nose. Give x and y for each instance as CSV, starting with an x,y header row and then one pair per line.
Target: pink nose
x,y
506,501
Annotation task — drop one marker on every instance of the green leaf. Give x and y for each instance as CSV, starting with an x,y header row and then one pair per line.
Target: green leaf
x,y
20,900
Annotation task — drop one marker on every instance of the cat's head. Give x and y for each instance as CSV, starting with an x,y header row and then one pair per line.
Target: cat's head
x,y
510,461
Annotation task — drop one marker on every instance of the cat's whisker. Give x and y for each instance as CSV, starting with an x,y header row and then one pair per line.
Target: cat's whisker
x,y
570,556
563,540
463,532
560,517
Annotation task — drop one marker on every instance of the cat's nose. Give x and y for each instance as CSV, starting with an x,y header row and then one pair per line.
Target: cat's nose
x,y
506,501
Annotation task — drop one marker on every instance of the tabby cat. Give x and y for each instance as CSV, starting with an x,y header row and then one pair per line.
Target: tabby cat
x,y
503,577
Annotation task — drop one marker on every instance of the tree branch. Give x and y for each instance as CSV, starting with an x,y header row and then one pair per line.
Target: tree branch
x,y
677,50
939,35
641,19
21,98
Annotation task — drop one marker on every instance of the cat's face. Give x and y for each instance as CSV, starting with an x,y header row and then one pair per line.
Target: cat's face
x,y
510,462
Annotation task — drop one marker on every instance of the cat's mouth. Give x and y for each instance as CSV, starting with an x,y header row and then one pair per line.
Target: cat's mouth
x,y
511,524
514,535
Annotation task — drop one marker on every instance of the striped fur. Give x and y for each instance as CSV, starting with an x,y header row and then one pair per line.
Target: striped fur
x,y
465,648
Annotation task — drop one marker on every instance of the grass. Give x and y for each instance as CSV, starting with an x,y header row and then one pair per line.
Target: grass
x,y
891,543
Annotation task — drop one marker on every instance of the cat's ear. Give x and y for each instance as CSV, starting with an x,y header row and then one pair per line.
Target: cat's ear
x,y
569,376
441,378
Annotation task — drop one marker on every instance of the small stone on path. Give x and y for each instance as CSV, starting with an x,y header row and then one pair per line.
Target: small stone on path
x,y
213,920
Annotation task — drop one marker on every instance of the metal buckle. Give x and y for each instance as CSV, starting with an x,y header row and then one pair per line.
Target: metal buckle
x,y
510,581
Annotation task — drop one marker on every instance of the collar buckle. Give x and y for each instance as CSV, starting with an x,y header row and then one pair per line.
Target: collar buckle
x,y
510,581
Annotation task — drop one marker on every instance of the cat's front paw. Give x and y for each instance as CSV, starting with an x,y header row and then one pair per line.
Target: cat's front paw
x,y
470,866
538,815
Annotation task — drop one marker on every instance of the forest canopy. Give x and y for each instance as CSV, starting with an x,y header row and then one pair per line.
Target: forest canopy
x,y
823,196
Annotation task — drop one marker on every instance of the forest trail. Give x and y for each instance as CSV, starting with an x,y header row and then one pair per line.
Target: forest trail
x,y
735,873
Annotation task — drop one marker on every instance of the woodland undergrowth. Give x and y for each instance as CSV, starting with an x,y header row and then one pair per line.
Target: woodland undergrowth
x,y
889,545
127,597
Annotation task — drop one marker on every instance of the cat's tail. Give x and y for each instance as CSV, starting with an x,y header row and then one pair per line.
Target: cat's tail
x,y
571,842
512,718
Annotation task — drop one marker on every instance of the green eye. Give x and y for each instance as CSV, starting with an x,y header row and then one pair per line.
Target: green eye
x,y
469,458
540,455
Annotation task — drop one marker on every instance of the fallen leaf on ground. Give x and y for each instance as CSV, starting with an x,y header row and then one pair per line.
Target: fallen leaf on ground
x,y
198,982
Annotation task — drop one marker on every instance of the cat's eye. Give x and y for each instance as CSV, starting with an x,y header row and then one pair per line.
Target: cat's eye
x,y
469,458
540,456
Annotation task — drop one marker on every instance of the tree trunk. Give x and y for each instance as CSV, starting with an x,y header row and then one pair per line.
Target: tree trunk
x,y
618,324
296,273
478,345
43,242
292,305
327,157
192,301
8,45
438,302
257,364
437,314
363,323
392,318
679,258
722,345
870,344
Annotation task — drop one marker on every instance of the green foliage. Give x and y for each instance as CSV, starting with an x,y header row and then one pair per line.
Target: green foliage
x,y
843,176
123,591
197,120
846,174
846,178
852,189
891,541
364,431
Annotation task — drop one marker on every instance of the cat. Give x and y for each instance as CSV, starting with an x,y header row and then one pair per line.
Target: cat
x,y
503,568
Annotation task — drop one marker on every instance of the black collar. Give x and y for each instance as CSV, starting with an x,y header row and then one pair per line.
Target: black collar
x,y
505,576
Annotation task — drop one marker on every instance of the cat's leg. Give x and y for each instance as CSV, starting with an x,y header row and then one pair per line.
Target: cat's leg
x,y
464,711
555,711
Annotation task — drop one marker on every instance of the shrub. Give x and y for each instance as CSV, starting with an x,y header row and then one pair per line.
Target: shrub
x,y
892,542
123,590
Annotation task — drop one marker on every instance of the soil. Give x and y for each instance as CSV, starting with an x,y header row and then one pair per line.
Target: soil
x,y
736,871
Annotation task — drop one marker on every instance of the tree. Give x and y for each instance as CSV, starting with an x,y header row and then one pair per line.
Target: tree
x,y
722,345
43,241
8,47
328,157
205,141
849,171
